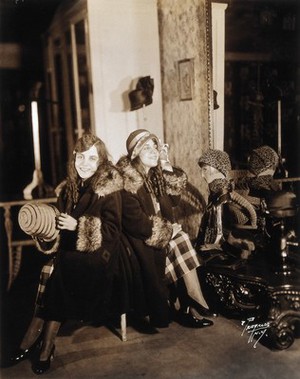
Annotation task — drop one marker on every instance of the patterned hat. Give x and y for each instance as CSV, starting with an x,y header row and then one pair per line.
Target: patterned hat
x,y
262,158
39,220
137,140
216,158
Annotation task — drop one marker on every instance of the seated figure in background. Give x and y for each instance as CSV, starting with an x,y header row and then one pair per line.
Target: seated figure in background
x,y
262,164
229,218
259,186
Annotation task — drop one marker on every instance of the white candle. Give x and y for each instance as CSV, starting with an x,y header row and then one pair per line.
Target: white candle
x,y
36,134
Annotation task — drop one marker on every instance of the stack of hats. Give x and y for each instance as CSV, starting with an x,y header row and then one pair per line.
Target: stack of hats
x,y
262,158
216,158
39,220
142,95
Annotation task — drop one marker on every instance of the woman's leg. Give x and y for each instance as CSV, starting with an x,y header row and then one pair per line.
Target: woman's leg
x,y
33,332
50,332
193,287
47,350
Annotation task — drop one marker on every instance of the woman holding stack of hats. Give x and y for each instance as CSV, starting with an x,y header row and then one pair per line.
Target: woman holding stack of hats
x,y
79,282
152,187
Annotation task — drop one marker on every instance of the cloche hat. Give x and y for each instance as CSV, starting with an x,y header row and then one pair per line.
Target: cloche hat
x,y
137,140
216,158
262,158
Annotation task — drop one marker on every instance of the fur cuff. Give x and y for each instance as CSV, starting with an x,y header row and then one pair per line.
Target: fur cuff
x,y
161,233
89,234
176,181
47,247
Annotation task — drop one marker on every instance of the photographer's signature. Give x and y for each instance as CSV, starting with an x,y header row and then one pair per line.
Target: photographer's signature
x,y
254,330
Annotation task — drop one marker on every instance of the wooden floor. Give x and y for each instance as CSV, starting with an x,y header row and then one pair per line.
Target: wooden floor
x,y
85,351
218,352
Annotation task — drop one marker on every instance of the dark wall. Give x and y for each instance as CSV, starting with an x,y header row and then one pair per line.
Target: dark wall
x,y
262,38
21,22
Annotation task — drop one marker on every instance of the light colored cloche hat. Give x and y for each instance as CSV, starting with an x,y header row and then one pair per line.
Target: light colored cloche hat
x,y
137,140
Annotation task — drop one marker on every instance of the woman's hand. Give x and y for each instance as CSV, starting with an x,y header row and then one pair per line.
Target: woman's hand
x,y
241,243
64,221
176,229
210,246
164,157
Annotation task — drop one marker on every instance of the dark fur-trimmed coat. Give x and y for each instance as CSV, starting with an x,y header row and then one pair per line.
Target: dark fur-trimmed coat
x,y
86,262
148,234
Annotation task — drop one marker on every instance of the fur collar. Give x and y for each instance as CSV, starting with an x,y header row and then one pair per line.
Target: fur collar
x,y
133,180
106,181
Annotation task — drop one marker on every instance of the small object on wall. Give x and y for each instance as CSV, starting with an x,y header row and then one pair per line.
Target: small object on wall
x,y
186,79
142,95
216,105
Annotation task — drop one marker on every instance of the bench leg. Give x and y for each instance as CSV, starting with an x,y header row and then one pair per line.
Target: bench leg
x,y
123,327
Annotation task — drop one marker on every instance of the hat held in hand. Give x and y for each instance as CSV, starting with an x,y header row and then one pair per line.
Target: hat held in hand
x,y
39,220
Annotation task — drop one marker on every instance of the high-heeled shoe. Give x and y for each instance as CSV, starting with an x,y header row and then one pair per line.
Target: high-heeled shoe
x,y
202,311
187,319
40,367
20,355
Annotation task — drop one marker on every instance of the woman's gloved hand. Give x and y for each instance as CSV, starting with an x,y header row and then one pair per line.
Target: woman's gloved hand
x,y
65,221
164,157
244,244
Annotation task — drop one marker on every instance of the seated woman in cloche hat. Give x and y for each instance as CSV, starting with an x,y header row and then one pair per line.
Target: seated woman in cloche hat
x,y
152,187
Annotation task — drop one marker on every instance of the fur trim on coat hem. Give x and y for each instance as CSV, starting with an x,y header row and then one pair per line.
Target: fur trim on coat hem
x,y
47,248
161,233
89,234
